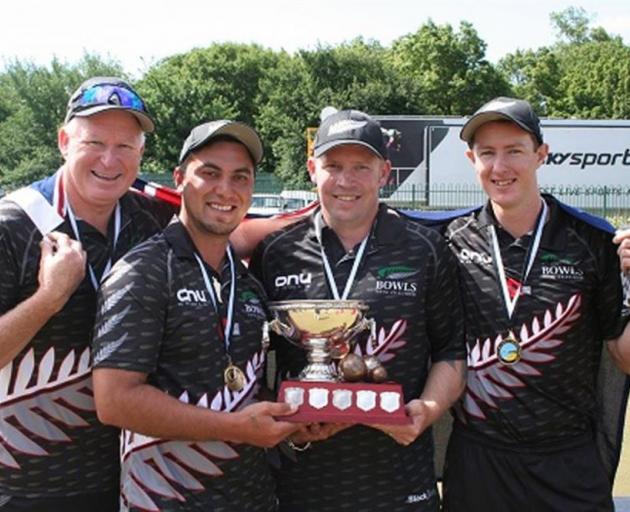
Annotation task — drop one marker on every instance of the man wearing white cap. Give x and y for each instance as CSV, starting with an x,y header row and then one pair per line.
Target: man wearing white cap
x,y
57,238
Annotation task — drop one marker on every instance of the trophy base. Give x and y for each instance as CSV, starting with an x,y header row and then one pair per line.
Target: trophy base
x,y
344,402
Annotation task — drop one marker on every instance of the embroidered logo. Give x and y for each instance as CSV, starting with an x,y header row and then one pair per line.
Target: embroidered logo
x,y
396,280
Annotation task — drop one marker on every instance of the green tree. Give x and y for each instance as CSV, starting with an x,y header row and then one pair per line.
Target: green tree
x,y
595,81
572,24
356,74
534,75
33,100
221,81
449,68
585,74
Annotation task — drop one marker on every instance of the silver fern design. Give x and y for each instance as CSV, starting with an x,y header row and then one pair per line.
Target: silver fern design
x,y
52,396
386,343
159,466
488,379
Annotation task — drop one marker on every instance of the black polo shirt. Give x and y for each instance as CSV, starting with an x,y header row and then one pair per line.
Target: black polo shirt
x,y
51,443
156,317
408,279
571,302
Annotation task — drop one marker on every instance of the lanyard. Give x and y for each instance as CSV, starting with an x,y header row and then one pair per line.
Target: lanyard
x,y
227,332
75,228
329,275
510,304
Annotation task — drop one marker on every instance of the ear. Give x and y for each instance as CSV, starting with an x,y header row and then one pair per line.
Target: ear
x,y
178,178
311,166
470,154
542,152
63,141
386,169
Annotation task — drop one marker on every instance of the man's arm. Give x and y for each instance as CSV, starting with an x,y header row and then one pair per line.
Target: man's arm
x,y
251,231
619,350
124,399
61,270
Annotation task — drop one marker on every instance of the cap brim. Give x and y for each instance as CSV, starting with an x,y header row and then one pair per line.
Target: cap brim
x,y
475,122
146,123
320,150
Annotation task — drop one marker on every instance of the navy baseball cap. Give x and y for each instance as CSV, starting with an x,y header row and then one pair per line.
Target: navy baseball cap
x,y
102,93
201,135
349,127
519,112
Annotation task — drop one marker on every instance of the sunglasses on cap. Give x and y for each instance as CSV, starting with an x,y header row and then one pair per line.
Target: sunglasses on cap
x,y
108,94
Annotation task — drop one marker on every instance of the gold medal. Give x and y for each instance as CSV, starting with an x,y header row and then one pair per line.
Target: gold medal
x,y
509,350
234,378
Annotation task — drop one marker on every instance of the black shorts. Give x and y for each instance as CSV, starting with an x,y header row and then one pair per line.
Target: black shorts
x,y
478,478
97,502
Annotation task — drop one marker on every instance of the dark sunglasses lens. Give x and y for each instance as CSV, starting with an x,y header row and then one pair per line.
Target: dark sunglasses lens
x,y
111,95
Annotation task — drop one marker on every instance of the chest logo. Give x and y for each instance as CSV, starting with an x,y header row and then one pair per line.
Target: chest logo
x,y
396,280
561,269
301,280
252,304
474,257
187,296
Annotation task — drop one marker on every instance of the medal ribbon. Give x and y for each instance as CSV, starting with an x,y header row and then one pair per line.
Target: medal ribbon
x,y
75,228
510,304
329,275
227,332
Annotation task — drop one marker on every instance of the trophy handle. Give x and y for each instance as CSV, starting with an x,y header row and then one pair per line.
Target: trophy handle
x,y
362,325
279,328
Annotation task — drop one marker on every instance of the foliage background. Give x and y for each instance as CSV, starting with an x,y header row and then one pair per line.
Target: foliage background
x,y
437,70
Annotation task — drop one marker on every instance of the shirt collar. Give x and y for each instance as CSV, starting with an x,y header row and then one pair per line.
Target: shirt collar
x,y
553,237
178,238
387,229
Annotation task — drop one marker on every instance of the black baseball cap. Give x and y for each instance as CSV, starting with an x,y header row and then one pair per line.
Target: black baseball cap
x,y
349,127
519,112
102,93
201,135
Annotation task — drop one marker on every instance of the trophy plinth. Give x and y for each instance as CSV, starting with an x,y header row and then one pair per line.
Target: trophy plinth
x,y
326,330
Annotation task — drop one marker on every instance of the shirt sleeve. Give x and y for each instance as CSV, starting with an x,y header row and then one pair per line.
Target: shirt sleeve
x,y
608,299
12,259
444,310
131,305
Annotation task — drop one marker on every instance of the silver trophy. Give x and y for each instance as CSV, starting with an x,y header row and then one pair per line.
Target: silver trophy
x,y
324,328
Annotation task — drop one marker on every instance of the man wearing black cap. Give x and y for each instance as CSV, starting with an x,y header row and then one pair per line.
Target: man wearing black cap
x,y
352,247
541,291
57,238
178,349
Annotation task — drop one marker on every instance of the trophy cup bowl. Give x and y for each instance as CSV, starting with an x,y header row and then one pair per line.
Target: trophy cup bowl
x,y
324,328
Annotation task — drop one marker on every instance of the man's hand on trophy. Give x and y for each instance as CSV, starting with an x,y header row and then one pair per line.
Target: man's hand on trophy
x,y
418,412
256,424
